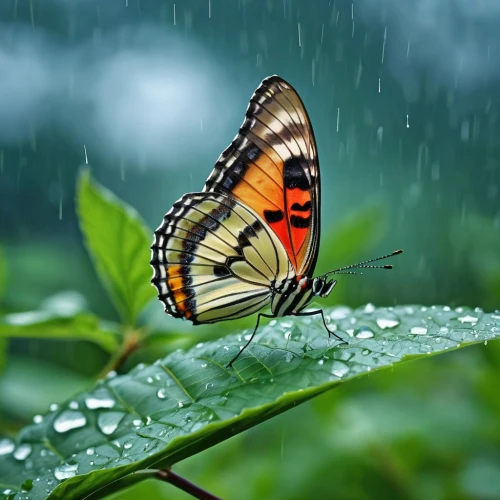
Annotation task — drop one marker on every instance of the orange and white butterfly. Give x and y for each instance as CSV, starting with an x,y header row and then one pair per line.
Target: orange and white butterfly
x,y
250,239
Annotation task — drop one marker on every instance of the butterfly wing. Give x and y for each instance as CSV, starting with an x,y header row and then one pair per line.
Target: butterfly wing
x,y
272,167
215,259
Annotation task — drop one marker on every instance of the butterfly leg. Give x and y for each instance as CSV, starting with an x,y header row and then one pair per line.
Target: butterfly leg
x,y
230,364
320,311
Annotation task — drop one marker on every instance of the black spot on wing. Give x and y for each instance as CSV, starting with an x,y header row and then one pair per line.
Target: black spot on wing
x,y
301,208
300,222
273,215
295,174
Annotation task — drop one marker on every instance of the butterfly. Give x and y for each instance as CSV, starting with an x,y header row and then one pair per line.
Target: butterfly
x,y
250,239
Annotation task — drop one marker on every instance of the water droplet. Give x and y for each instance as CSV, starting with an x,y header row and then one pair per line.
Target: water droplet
x,y
149,380
161,393
443,329
111,374
350,332
459,309
446,308
418,330
321,361
180,404
69,420
208,386
127,446
200,344
468,319
203,365
365,352
495,316
108,421
288,356
65,471
6,446
339,369
369,308
137,422
73,405
22,451
37,419
99,402
363,333
90,451
486,342
386,323
437,340
226,348
340,313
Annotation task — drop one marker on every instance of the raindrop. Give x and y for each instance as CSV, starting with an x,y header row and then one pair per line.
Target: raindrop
x,y
340,313
369,308
363,333
418,330
443,329
204,365
365,352
127,446
137,422
149,380
90,451
73,405
339,369
181,404
161,393
53,407
108,421
386,323
6,446
22,452
96,403
208,386
321,361
65,471
69,420
288,356
37,419
468,319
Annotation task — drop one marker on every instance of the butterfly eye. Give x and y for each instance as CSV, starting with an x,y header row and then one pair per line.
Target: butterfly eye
x,y
317,286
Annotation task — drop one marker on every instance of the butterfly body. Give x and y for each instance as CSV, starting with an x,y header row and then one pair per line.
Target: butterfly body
x,y
250,239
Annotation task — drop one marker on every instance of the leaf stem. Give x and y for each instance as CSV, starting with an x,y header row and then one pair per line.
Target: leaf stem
x,y
171,477
117,360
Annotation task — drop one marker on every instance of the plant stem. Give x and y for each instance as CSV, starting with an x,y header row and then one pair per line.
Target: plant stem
x,y
116,361
171,477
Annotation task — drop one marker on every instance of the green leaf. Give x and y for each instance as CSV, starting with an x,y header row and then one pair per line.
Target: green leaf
x,y
3,273
160,414
45,325
118,242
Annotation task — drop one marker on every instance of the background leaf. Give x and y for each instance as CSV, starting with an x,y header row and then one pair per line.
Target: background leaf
x,y
46,325
158,415
118,242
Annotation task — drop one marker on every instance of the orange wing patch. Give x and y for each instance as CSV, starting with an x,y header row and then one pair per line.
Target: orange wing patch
x,y
271,166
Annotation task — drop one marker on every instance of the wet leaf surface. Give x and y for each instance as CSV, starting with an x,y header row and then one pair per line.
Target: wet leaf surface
x,y
158,415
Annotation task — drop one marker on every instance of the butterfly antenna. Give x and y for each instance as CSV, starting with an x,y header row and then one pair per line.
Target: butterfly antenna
x,y
363,265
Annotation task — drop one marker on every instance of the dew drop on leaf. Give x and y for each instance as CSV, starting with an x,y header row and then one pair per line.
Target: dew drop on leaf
x,y
161,393
418,330
339,369
108,421
6,446
22,452
384,323
69,420
363,333
65,471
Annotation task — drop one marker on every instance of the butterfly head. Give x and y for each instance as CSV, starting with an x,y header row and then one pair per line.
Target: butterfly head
x,y
322,286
